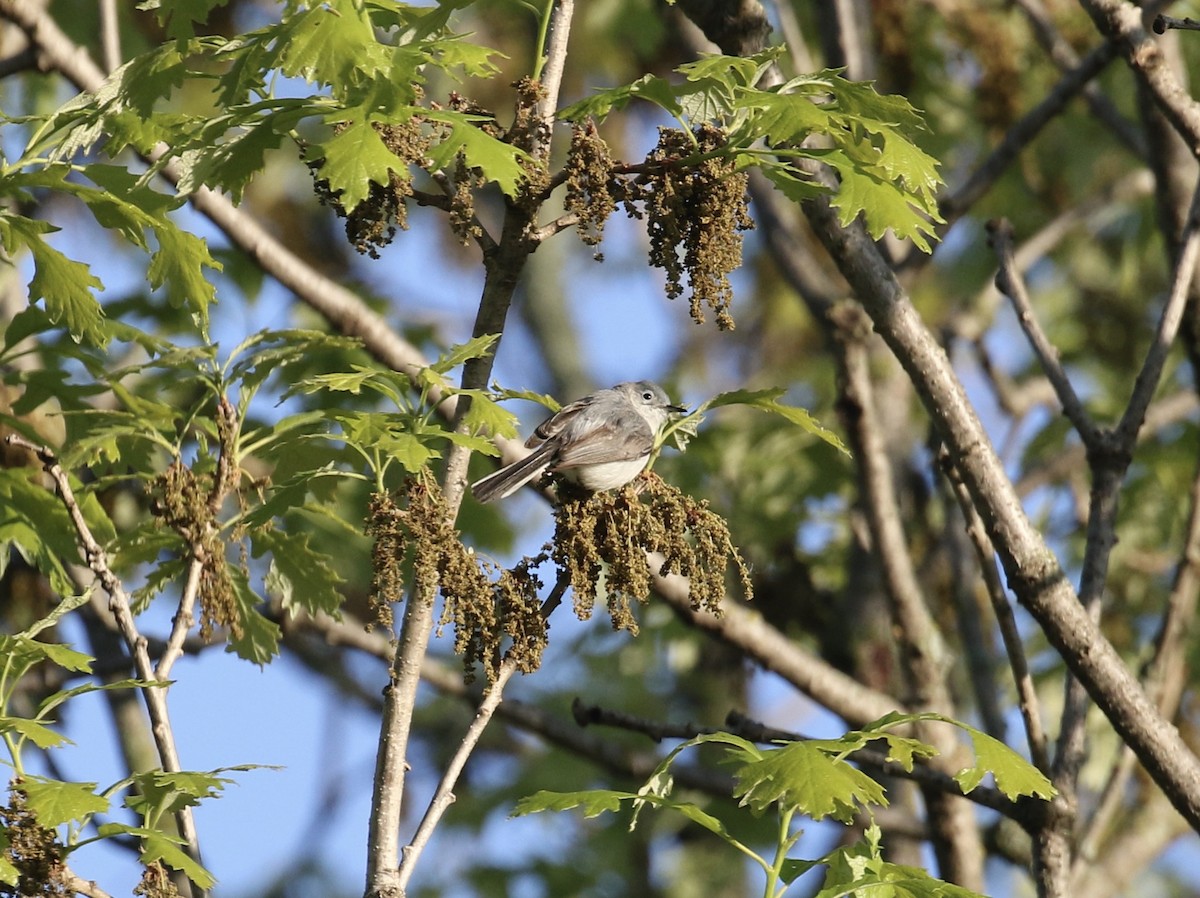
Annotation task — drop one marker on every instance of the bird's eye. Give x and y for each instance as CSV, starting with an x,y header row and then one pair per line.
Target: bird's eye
x,y
647,396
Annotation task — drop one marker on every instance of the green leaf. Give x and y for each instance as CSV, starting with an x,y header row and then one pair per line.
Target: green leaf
x,y
255,639
52,701
34,521
885,203
160,793
332,43
487,416
178,264
181,16
36,732
56,802
302,577
229,164
64,285
354,159
475,348
785,118
648,87
412,453
65,606
592,802
803,776
793,184
497,160
158,847
9,875
768,401
794,868
22,651
1014,775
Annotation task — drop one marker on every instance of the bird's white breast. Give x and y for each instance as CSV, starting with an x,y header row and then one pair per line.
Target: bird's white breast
x,y
606,475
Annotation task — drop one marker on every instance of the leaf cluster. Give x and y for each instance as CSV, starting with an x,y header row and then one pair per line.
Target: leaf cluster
x,y
814,778
45,819
866,138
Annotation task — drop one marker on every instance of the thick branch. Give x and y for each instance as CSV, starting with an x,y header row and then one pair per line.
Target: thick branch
x,y
1033,571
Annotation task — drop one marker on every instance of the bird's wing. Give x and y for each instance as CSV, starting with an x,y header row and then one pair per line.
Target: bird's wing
x,y
619,440
556,423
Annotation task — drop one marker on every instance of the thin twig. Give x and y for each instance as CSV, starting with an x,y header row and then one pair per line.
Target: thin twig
x,y
1027,697
1168,327
740,725
154,695
1012,285
1162,24
554,730
954,205
1064,56
443,796
77,885
922,649
184,619
1164,677
1033,571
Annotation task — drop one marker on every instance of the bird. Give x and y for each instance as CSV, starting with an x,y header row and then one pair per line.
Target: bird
x,y
599,442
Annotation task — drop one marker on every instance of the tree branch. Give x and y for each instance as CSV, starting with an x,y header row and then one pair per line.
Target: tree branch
x,y
923,656
155,696
503,265
443,796
1033,571
1012,285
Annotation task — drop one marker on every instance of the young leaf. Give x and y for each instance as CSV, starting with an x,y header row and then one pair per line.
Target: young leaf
x,y
298,574
158,847
354,159
1014,775
648,87
56,802
37,524
497,160
593,802
37,733
160,793
886,204
256,638
331,43
475,348
65,605
63,284
803,776
768,401
486,415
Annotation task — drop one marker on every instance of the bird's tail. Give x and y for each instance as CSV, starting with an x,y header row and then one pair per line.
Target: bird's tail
x,y
503,483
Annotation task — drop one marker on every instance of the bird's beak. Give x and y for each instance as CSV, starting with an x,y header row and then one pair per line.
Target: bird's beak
x,y
677,409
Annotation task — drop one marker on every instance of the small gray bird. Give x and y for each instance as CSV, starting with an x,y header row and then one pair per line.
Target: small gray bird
x,y
600,442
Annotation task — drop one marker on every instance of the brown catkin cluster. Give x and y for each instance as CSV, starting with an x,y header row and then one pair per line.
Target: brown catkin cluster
x,y
699,209
31,848
589,172
185,502
373,222
156,883
385,527
485,613
605,537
